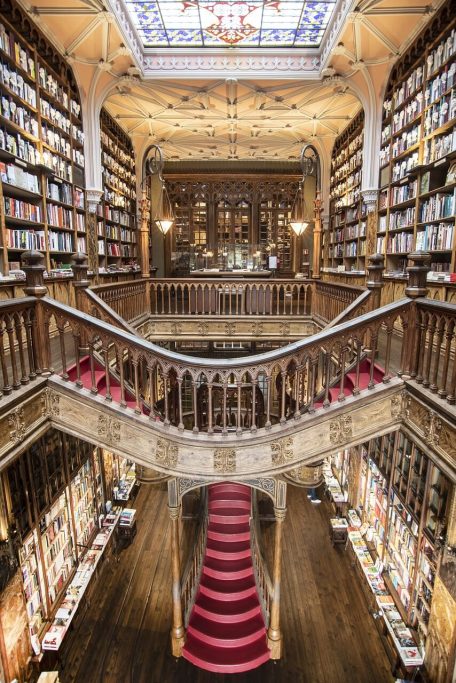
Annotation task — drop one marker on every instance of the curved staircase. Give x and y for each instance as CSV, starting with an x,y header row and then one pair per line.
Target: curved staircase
x,y
226,631
350,382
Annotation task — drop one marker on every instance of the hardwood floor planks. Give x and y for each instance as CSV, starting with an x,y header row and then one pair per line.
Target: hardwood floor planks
x,y
329,635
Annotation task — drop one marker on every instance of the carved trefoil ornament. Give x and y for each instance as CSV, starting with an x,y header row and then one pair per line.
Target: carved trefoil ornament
x,y
203,329
282,451
16,424
176,328
230,329
340,430
225,460
432,428
108,429
50,403
166,453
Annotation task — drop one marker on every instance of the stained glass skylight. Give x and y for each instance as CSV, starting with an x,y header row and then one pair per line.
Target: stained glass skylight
x,y
230,23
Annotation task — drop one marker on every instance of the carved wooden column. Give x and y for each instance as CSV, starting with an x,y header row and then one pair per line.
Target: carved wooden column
x,y
370,200
316,260
93,199
274,633
80,267
177,629
143,244
375,279
33,266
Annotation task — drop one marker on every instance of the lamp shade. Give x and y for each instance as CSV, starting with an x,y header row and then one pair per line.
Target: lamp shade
x,y
164,216
298,222
298,227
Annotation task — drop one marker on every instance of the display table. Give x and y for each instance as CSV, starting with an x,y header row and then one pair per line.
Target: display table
x,y
127,525
338,530
79,584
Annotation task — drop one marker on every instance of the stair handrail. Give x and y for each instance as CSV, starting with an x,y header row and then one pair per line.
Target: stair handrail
x,y
263,580
191,575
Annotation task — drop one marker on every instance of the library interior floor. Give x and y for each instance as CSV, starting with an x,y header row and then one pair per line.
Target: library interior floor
x,y
330,634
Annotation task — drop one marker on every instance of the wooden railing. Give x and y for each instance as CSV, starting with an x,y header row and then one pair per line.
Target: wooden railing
x,y
192,572
234,395
130,300
262,578
330,299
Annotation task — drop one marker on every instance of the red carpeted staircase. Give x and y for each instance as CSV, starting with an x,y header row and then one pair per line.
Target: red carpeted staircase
x,y
100,381
350,381
226,631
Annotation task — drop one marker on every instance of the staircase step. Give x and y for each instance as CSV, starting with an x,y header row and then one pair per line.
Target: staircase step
x,y
228,487
229,516
223,589
233,611
227,634
232,569
335,391
226,660
228,532
236,502
227,550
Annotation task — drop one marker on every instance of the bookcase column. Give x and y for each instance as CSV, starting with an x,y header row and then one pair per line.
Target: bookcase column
x,y
274,632
93,199
370,200
144,234
316,257
177,629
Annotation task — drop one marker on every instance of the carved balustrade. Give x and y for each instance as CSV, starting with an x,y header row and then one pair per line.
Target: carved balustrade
x,y
192,572
330,299
19,358
129,300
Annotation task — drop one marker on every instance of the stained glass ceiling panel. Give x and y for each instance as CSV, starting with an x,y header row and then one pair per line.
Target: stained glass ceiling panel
x,y
230,23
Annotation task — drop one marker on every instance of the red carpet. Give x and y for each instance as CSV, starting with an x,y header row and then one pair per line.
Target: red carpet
x,y
226,632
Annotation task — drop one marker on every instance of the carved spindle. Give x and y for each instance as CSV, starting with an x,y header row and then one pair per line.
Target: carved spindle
x,y
195,407
268,402
210,429
165,389
12,350
136,385
389,335
373,353
180,426
76,343
7,388
119,356
421,351
253,425
61,330
327,380
274,633
341,396
448,339
297,413
430,351
440,332
93,388
312,381
177,629
28,334
359,347
105,352
224,428
20,346
283,418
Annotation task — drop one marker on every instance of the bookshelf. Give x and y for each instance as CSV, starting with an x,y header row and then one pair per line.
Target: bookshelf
x,y
116,217
417,174
41,152
57,544
29,560
84,500
346,239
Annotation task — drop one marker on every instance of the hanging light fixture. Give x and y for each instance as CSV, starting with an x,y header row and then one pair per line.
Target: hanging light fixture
x,y
163,216
298,220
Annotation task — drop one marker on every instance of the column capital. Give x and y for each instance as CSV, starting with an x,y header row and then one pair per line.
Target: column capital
x,y
280,514
174,512
93,197
370,197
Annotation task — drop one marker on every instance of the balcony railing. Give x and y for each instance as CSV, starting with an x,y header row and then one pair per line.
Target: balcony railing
x,y
235,395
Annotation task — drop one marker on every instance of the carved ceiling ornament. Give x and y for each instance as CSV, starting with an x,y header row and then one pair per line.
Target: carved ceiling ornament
x,y
50,403
166,453
225,460
108,428
340,430
282,451
185,485
16,423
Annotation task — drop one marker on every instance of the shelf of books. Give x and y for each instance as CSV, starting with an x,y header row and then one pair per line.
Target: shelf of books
x,y
403,498
417,201
41,153
116,224
84,504
346,239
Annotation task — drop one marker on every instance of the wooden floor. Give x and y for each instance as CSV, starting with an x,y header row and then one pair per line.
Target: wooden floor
x,y
329,635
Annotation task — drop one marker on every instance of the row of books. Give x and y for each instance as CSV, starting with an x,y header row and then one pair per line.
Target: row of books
x,y
438,206
400,219
16,208
59,217
405,116
439,146
435,238
51,85
15,175
19,115
405,141
55,116
437,86
13,48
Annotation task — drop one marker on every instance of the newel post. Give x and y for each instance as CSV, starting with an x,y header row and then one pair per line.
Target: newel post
x,y
274,632
80,266
374,282
33,266
177,629
418,268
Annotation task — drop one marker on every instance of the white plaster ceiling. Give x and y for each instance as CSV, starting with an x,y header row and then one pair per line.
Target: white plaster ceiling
x,y
196,116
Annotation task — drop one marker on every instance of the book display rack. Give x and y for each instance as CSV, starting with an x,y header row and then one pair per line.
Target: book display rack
x,y
345,243
403,502
417,202
116,224
42,200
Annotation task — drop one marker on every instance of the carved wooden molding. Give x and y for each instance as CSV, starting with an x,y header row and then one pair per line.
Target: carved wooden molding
x,y
282,451
16,423
166,453
225,460
435,430
108,429
50,403
341,430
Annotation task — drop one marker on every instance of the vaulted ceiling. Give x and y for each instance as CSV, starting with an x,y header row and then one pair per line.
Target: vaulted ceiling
x,y
238,112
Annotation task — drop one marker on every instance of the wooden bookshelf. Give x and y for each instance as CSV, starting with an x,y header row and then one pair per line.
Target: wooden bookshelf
x,y
346,240
116,225
41,150
417,176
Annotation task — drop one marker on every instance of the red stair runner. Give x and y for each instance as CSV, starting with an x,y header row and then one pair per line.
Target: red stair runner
x,y
226,632
350,381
